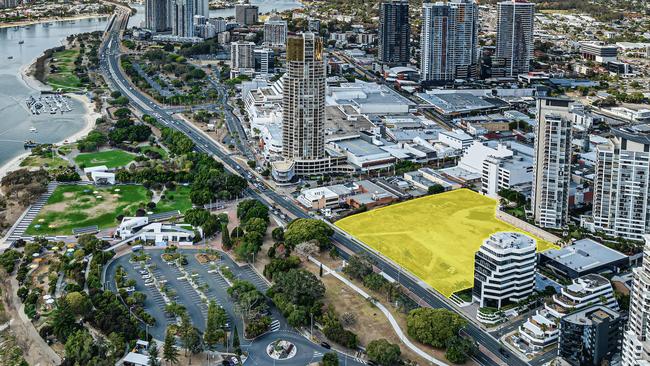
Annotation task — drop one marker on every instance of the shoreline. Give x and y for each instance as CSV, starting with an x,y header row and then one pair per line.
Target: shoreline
x,y
90,117
24,23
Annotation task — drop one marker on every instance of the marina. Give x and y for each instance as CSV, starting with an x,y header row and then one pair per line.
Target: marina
x,y
51,103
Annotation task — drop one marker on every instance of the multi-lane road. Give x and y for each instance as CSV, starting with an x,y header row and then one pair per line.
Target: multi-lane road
x,y
109,63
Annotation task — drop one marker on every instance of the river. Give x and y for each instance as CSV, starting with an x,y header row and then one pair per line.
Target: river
x,y
15,119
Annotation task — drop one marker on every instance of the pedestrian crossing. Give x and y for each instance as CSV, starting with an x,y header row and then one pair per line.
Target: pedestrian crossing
x,y
275,325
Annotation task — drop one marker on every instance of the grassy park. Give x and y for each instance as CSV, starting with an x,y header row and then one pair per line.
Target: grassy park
x,y
110,158
434,237
77,206
176,199
63,75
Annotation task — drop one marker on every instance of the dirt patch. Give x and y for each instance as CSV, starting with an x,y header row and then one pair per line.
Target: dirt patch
x,y
35,350
205,258
371,323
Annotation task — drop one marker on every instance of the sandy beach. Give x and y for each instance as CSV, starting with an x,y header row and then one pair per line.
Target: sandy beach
x,y
53,19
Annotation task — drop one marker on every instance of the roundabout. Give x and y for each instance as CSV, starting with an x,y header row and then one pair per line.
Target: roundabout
x,y
281,350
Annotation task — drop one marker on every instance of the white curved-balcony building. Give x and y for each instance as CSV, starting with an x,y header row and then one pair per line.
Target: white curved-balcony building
x,y
504,269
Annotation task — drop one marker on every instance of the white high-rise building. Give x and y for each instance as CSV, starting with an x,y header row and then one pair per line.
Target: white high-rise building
x,y
504,269
636,341
449,41
515,44
275,32
242,56
621,206
552,163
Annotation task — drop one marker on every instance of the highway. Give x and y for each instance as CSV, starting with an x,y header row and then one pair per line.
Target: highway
x,y
109,63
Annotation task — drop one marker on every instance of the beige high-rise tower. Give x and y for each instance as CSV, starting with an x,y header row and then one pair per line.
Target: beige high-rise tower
x,y
303,105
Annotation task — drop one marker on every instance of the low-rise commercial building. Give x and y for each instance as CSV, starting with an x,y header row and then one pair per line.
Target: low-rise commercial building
x,y
583,257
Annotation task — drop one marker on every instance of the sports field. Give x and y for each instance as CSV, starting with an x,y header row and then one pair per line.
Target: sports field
x,y
433,237
109,158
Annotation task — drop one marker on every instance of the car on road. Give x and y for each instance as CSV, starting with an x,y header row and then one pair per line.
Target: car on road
x,y
325,345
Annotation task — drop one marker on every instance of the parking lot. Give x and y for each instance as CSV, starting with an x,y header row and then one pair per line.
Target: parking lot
x,y
185,294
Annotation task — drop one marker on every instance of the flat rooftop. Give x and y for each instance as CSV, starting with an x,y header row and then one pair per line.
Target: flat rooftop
x,y
510,240
592,315
583,255
450,103
359,147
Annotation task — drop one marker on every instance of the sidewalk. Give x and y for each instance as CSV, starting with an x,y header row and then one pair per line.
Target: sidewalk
x,y
383,309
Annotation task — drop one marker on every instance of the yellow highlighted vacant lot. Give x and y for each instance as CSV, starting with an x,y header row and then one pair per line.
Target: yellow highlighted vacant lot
x,y
434,237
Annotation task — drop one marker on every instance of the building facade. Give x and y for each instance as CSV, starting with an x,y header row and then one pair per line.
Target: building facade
x,y
552,163
246,14
183,18
449,41
636,345
542,330
303,105
590,336
621,205
504,269
275,32
394,33
515,22
155,15
242,56
264,60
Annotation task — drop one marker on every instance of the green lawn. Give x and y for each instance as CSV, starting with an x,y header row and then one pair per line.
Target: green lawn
x,y
64,77
42,162
110,158
159,150
178,199
77,206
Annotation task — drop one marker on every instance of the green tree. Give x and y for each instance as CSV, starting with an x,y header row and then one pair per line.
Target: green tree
x,y
435,189
301,286
62,320
330,359
79,303
215,321
383,352
153,354
302,230
225,237
459,349
434,327
170,353
235,341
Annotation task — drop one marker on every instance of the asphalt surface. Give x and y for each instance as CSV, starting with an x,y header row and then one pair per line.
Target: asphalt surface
x,y
109,63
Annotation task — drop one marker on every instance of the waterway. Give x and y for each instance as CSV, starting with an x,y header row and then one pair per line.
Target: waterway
x,y
15,119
